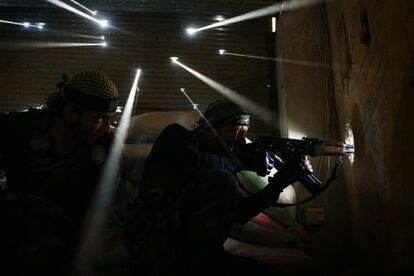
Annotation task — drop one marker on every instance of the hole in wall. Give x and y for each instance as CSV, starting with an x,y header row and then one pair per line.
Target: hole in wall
x,y
349,139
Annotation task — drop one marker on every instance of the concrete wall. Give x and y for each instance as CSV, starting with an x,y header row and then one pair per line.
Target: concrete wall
x,y
369,47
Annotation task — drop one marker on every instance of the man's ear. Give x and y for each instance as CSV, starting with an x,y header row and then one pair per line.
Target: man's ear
x,y
70,114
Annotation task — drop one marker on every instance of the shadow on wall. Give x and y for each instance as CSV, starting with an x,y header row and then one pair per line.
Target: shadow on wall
x,y
369,214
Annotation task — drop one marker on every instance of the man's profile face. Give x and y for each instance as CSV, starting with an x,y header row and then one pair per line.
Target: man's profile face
x,y
92,125
234,133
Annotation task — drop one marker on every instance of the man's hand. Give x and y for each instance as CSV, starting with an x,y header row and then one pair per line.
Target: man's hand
x,y
289,171
292,169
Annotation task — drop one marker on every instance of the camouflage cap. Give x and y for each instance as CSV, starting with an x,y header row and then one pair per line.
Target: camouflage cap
x,y
90,91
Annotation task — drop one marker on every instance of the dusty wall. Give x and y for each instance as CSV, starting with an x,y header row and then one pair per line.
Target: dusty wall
x,y
369,47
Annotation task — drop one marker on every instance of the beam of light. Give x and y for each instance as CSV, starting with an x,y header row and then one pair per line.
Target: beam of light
x,y
213,129
256,109
82,6
102,23
38,45
101,37
102,201
266,11
24,24
195,106
87,36
210,126
61,33
283,60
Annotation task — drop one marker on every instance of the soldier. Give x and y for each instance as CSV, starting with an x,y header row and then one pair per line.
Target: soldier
x,y
52,159
188,198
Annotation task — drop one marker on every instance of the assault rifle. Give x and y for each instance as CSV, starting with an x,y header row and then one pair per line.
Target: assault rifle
x,y
307,147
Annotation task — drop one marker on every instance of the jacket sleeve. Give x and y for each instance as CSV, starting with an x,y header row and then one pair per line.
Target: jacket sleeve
x,y
174,159
4,128
177,144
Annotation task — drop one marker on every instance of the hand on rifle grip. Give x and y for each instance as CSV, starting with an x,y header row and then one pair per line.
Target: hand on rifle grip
x,y
293,169
257,159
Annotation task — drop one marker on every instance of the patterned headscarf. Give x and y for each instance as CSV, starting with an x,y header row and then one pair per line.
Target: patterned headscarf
x,y
90,91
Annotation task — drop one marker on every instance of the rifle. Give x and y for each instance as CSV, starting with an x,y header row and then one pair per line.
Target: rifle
x,y
307,147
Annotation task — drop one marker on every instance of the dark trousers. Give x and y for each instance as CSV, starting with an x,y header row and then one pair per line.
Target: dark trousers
x,y
201,217
210,208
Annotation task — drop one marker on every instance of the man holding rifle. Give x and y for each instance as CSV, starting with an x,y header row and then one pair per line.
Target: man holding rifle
x,y
189,195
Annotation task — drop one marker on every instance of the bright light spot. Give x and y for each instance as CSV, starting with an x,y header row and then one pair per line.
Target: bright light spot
x,y
174,59
222,51
24,24
349,139
219,18
349,136
277,8
94,12
38,45
273,24
104,44
182,89
288,195
103,37
103,23
294,134
195,106
190,31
